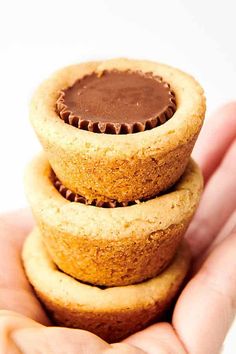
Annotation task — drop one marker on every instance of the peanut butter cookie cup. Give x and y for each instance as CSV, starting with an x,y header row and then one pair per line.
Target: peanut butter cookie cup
x,y
111,246
119,130
111,313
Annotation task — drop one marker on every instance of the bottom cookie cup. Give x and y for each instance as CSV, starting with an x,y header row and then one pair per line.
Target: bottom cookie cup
x,y
111,313
112,246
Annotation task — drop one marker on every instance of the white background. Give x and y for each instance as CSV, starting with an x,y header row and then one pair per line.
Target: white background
x,y
38,37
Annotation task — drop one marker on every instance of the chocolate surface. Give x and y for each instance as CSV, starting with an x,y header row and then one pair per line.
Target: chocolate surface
x,y
117,102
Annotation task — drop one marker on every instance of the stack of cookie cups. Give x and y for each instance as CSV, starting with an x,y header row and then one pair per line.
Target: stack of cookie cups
x,y
112,198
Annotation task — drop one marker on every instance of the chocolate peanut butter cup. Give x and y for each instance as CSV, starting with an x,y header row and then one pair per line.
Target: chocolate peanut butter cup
x,y
117,102
111,246
127,131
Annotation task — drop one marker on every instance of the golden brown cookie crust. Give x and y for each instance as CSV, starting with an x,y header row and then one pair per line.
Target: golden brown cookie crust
x,y
117,246
120,167
111,313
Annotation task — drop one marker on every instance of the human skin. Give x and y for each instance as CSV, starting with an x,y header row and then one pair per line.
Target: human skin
x,y
207,304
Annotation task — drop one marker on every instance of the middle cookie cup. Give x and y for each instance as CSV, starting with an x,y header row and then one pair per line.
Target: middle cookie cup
x,y
111,246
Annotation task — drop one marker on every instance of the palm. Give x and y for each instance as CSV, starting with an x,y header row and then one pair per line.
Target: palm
x,y
207,297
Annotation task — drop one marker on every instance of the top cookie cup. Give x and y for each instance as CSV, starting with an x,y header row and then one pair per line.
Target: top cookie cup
x,y
122,167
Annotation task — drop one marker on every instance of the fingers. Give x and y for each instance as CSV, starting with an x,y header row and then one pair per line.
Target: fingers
x,y
9,322
217,204
21,335
123,348
228,228
215,138
20,220
206,308
15,291
159,338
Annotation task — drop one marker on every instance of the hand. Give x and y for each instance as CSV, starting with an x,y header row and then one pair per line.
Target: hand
x,y
204,310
